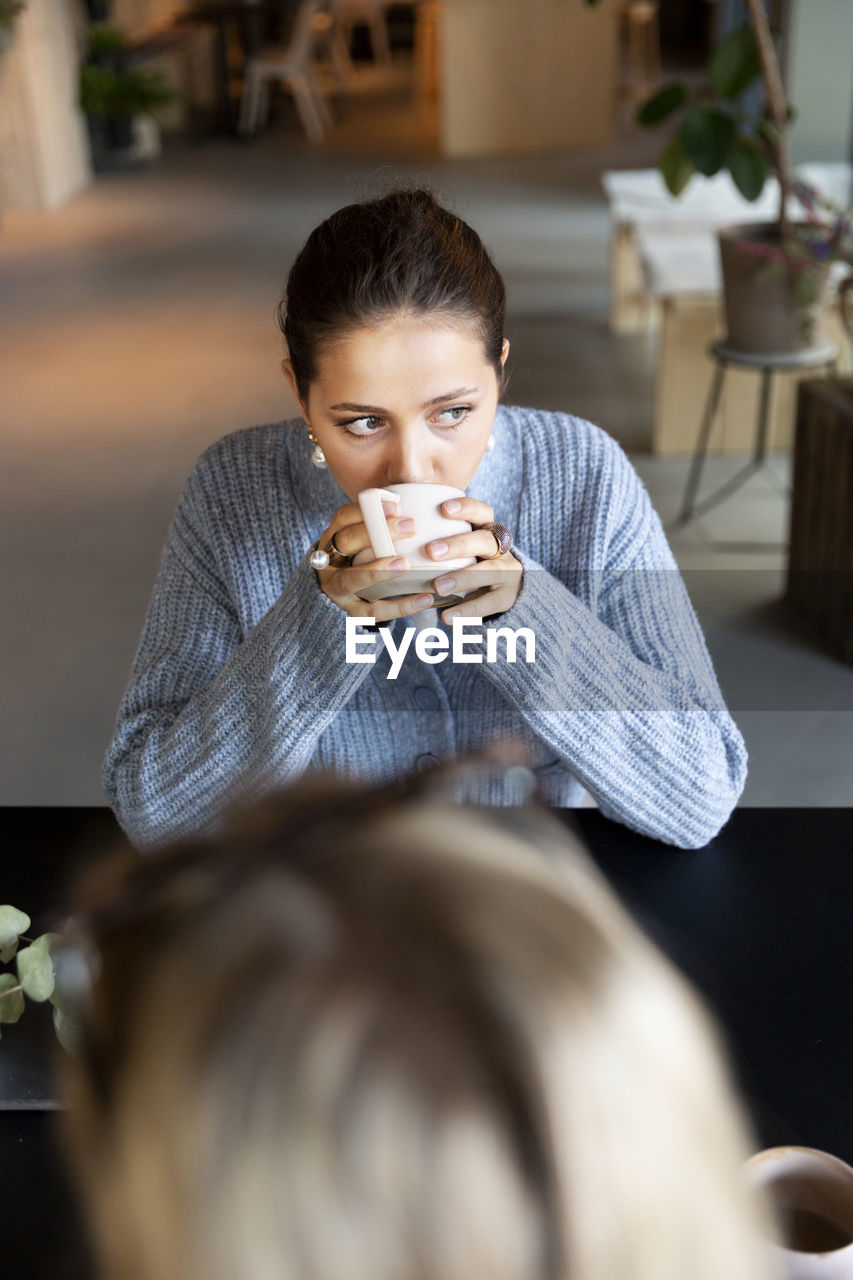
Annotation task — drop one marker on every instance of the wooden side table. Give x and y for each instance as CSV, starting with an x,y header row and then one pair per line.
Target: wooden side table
x,y
820,562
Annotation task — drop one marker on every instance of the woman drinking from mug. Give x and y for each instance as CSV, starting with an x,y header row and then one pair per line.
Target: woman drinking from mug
x,y
394,323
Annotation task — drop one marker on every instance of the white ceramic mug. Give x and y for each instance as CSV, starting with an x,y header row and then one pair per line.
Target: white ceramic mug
x,y
422,503
811,1196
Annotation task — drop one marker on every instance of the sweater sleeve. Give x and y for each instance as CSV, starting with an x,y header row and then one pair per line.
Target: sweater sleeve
x,y
624,692
211,715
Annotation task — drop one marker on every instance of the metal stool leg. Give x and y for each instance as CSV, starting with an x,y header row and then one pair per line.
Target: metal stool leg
x,y
701,450
763,418
824,354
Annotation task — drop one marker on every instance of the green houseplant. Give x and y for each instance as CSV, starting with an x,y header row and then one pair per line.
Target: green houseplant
x,y
28,968
113,93
774,274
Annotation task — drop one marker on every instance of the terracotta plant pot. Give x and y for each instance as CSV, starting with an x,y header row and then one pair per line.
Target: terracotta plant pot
x,y
770,305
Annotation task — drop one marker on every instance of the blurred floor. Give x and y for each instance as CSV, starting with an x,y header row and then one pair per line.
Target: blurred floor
x,y
137,327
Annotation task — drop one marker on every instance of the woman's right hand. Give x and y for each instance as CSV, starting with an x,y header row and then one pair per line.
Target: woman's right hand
x,y
343,585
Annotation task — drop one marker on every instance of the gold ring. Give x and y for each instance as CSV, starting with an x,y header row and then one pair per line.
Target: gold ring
x,y
502,537
337,559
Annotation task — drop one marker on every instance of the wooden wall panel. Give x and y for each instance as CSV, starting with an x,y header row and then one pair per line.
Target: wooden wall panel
x,y
526,75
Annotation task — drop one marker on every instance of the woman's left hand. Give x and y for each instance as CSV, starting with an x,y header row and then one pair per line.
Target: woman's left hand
x,y
494,581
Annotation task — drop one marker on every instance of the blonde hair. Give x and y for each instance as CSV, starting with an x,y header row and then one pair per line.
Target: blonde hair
x,y
409,1041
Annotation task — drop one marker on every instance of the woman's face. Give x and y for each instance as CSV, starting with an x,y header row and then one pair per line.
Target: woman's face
x,y
403,401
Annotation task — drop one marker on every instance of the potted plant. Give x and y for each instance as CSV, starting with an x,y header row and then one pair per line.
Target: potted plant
x,y
28,968
113,94
774,274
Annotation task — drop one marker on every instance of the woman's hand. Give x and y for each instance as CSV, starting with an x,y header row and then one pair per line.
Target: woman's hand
x,y
494,581
343,585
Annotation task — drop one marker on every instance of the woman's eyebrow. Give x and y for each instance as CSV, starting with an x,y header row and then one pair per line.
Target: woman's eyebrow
x,y
451,395
375,408
357,408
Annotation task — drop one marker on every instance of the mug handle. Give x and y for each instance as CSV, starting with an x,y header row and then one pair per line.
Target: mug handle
x,y
370,501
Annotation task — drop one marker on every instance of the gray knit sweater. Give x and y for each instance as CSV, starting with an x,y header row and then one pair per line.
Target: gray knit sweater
x,y
240,681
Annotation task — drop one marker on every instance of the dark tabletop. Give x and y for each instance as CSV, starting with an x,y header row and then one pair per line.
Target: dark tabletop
x,y
759,920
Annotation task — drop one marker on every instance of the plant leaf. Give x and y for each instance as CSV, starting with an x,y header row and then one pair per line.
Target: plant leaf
x,y
735,63
662,104
106,94
748,166
806,286
676,167
707,136
35,968
8,953
73,978
66,1030
11,1007
12,923
104,39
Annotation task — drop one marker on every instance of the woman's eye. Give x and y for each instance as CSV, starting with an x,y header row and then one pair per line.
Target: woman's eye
x,y
449,417
363,426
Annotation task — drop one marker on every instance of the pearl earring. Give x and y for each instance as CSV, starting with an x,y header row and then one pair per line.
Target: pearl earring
x,y
490,444
318,457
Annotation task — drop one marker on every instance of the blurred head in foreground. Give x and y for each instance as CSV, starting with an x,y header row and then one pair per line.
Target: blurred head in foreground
x,y
370,1036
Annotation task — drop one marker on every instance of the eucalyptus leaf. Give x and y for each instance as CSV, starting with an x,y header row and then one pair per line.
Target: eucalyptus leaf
x,y
8,953
748,166
58,998
662,104
11,1006
708,136
66,1030
35,968
12,923
73,976
676,166
735,63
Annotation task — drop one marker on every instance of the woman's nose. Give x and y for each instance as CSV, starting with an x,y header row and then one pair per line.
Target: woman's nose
x,y
409,461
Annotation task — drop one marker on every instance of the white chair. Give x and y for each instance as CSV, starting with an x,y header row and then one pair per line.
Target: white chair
x,y
294,68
